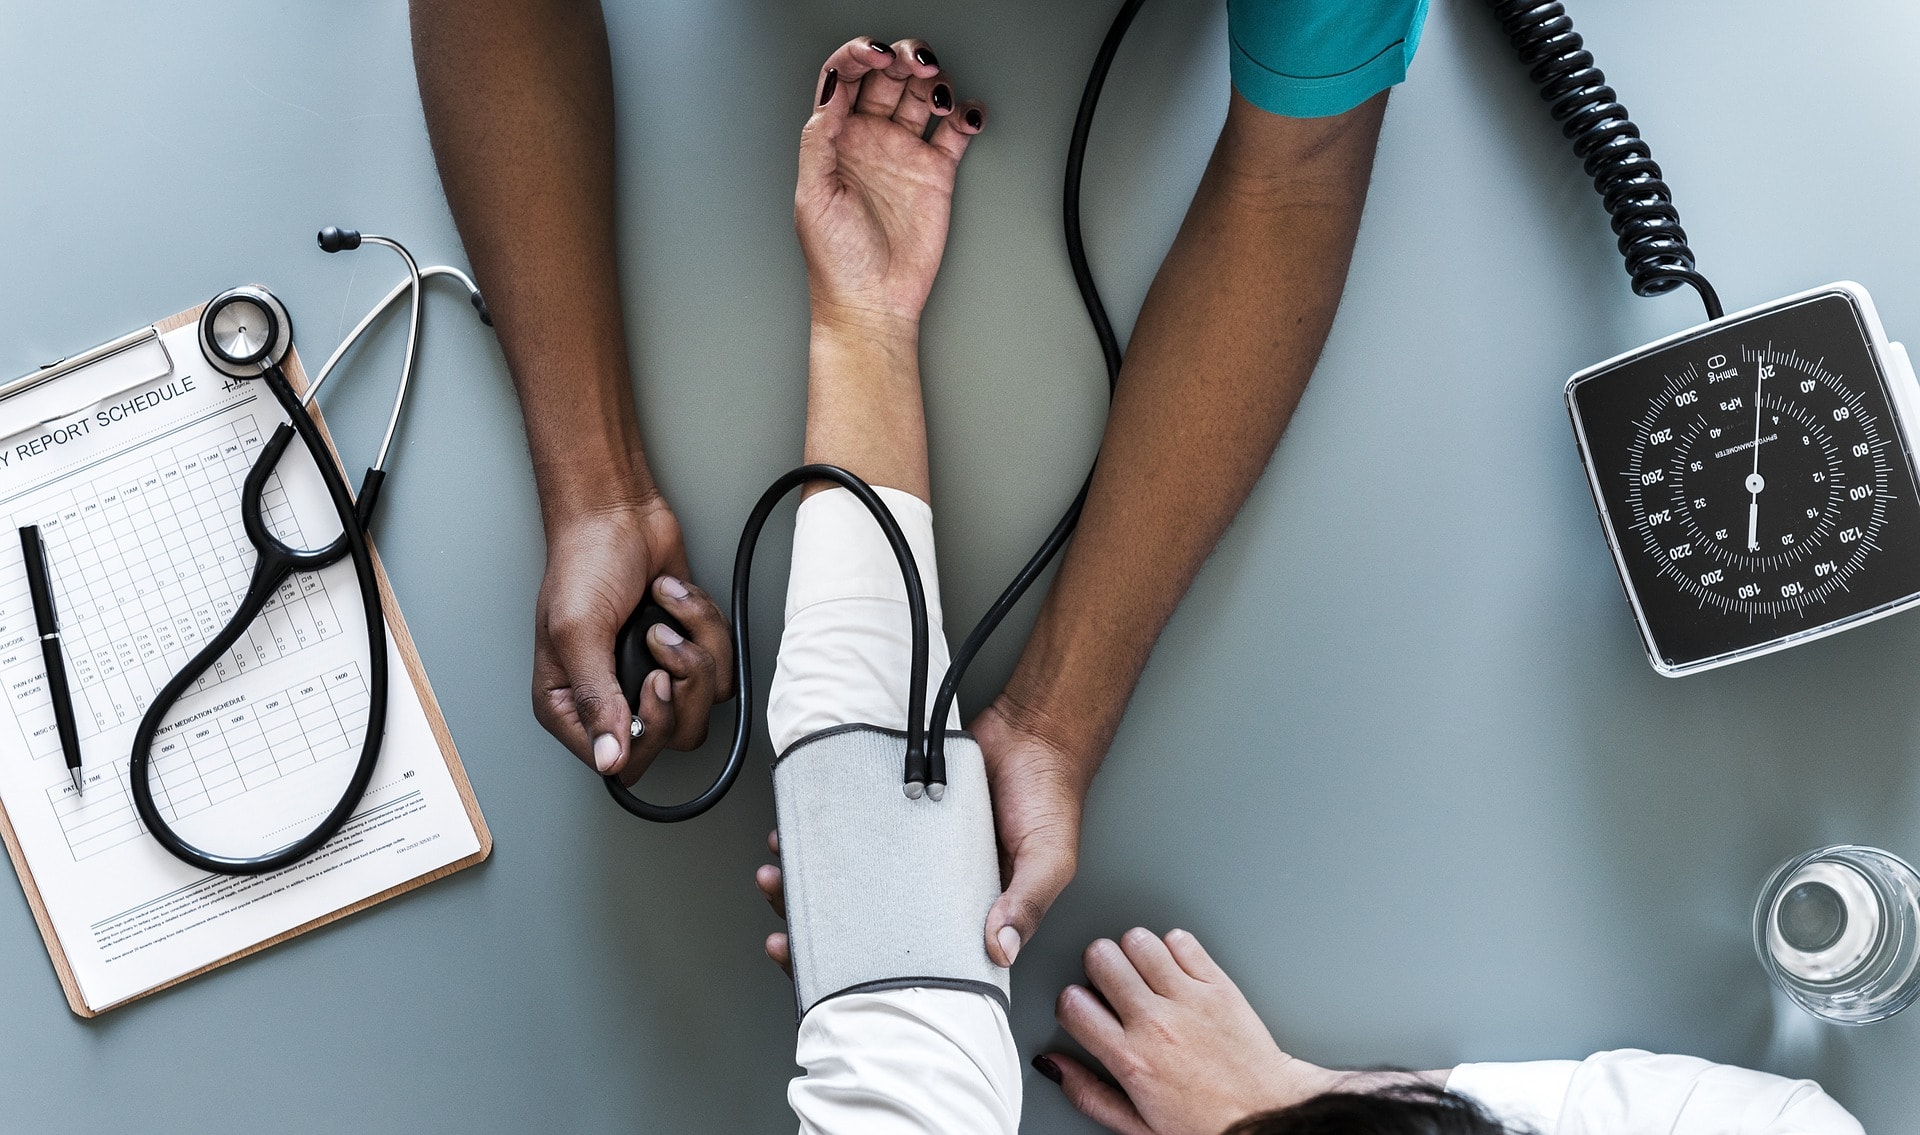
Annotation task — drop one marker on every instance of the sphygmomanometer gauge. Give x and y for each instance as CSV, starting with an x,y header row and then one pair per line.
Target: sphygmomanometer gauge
x,y
1755,477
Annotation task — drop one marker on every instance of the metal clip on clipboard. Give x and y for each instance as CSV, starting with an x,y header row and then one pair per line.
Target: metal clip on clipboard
x,y
84,380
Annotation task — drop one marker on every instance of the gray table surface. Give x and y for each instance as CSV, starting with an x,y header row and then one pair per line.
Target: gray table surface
x,y
1398,760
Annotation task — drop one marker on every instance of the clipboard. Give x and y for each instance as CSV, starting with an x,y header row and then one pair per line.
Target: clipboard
x,y
130,361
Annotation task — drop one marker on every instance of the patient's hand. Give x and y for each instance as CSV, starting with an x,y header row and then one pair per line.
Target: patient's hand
x,y
1191,1056
876,184
772,886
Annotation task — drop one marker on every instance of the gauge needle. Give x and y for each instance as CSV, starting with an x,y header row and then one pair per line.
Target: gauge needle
x,y
1754,481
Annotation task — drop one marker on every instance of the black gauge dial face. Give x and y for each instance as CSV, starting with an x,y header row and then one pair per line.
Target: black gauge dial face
x,y
1754,480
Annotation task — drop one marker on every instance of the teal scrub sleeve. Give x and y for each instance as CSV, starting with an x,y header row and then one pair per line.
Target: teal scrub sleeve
x,y
1315,58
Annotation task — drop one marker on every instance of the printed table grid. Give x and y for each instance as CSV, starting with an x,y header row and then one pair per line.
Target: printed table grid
x,y
149,561
218,757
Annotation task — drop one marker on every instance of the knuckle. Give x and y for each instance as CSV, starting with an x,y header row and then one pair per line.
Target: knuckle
x,y
1128,1066
1156,1029
1029,910
692,663
587,699
1081,1095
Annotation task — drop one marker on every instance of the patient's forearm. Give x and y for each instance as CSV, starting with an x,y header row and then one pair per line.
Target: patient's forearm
x,y
1228,336
864,409
519,103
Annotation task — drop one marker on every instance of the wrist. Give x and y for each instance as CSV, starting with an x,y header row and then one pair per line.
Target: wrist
x,y
1368,1083
583,438
1073,708
1058,737
861,348
865,328
599,477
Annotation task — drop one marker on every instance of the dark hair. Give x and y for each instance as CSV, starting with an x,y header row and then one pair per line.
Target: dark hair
x,y
1409,1110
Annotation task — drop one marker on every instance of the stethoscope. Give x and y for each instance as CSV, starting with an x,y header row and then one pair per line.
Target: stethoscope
x,y
924,772
245,333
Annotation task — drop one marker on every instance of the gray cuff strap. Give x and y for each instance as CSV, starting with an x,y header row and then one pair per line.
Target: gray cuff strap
x,y
884,892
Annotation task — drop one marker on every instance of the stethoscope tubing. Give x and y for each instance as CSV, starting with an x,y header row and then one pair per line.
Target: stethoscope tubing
x,y
377,310
275,562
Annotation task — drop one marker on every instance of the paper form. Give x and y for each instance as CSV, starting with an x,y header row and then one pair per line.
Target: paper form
x,y
138,502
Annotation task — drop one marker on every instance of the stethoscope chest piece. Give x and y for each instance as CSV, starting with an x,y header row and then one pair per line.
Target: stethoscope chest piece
x,y
245,330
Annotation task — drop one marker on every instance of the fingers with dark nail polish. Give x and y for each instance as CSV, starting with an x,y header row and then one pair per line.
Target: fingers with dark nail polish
x,y
827,87
942,98
975,119
882,47
926,58
1047,1068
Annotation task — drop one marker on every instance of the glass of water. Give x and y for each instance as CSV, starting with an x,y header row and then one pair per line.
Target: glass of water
x,y
1838,929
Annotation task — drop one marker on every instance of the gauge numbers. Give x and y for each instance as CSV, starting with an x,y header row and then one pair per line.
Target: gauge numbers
x,y
1754,479
1759,480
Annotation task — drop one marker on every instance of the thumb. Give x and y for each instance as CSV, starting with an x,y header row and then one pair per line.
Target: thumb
x,y
587,661
1043,865
819,143
1093,1097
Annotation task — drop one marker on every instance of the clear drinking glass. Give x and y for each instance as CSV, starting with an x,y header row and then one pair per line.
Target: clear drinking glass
x,y
1838,929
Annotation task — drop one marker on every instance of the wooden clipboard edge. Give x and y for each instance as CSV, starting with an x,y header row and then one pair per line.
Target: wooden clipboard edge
x,y
61,968
436,721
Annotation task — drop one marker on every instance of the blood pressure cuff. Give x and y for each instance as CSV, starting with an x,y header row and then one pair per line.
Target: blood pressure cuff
x,y
1315,58
884,892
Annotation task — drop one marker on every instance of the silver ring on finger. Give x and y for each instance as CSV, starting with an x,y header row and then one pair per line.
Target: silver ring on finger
x,y
636,729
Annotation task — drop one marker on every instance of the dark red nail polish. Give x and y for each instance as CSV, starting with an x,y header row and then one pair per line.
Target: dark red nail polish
x,y
942,97
882,47
826,88
926,58
974,120
1047,1068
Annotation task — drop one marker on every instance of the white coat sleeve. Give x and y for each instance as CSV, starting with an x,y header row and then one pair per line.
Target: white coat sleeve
x,y
1630,1092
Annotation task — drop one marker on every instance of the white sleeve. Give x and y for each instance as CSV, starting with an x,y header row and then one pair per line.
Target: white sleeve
x,y
1527,1096
1630,1092
848,641
899,1060
905,1061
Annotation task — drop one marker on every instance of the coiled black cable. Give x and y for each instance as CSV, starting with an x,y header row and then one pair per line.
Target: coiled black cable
x,y
1608,143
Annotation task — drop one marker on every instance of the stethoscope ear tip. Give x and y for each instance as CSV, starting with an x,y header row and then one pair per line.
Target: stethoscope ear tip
x,y
335,239
480,305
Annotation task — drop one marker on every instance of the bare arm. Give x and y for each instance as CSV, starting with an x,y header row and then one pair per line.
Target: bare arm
x,y
519,103
1228,336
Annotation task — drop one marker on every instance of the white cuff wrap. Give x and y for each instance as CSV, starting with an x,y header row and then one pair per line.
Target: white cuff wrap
x,y
884,892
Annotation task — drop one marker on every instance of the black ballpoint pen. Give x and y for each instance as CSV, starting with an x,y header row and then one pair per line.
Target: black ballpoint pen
x,y
41,588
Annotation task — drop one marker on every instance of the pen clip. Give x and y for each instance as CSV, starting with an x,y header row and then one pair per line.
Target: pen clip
x,y
53,597
33,548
